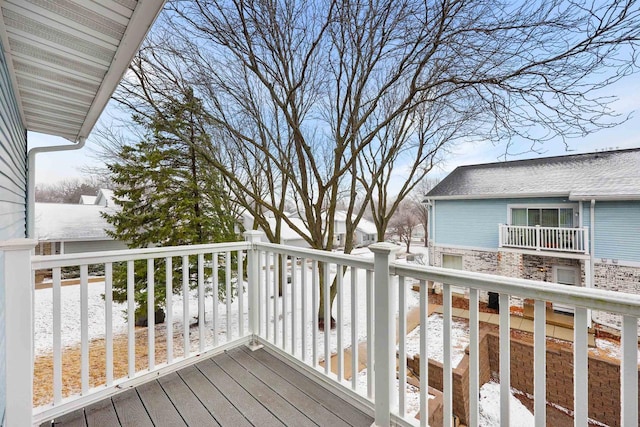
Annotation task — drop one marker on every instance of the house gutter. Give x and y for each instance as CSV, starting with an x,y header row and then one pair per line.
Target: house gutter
x,y
31,180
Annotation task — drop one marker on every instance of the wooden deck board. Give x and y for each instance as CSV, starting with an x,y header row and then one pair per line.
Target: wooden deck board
x,y
101,414
189,407
329,400
310,407
130,410
237,388
158,405
238,396
282,409
216,403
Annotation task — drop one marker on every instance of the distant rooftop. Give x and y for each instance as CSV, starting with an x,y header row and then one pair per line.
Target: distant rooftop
x,y
68,222
605,175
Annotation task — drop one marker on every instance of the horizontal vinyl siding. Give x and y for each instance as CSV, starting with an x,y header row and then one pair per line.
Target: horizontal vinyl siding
x,y
13,189
469,222
474,223
617,230
93,246
13,161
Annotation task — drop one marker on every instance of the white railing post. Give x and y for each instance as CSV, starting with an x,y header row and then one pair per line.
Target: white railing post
x,y
500,235
17,277
383,330
585,240
537,238
253,273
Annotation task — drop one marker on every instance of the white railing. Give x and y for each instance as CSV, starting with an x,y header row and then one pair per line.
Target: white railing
x,y
195,274
278,307
544,238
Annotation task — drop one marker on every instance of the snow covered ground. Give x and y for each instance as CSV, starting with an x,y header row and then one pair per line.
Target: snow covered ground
x,y
489,407
435,339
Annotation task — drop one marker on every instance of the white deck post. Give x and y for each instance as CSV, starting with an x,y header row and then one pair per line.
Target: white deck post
x,y
19,289
383,330
253,273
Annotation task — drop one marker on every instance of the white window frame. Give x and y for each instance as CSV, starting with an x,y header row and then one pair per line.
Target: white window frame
x,y
454,289
574,206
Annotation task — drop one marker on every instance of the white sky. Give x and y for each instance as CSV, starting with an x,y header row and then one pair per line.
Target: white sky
x,y
53,167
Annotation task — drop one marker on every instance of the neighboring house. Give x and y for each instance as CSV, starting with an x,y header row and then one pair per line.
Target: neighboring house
x,y
569,219
287,234
87,200
105,198
366,233
59,65
67,228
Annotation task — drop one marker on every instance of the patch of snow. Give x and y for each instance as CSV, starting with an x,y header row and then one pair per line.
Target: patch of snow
x,y
489,408
608,348
435,339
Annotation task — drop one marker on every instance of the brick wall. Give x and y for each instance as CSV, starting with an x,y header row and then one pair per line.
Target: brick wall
x,y
604,378
617,278
460,377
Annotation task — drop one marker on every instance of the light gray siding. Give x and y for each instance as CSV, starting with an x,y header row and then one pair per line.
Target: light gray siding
x,y
93,246
474,223
13,189
617,230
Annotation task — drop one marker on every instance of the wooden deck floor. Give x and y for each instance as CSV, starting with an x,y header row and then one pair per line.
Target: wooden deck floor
x,y
236,388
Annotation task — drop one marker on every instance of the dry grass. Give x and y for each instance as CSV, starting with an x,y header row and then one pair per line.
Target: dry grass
x,y
71,363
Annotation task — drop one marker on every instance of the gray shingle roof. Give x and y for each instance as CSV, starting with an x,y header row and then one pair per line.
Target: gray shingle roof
x,y
603,175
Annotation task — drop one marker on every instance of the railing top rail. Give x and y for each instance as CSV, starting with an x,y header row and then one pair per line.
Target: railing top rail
x,y
533,227
318,255
596,299
51,261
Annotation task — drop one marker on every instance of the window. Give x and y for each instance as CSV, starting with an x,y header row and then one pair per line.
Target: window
x,y
545,217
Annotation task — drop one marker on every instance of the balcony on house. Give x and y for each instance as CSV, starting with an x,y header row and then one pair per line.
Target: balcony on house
x,y
258,356
547,239
544,229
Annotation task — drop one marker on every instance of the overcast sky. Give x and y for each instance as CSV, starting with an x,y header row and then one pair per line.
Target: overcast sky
x,y
52,167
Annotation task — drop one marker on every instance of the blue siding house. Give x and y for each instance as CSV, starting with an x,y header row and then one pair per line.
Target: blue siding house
x,y
570,219
59,64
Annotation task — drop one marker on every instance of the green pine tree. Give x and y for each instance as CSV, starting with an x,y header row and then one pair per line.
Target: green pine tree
x,y
168,197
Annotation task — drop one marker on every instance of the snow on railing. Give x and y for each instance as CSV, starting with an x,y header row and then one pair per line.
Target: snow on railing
x,y
544,238
283,300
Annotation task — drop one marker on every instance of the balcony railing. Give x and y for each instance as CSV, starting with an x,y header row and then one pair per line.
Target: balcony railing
x,y
557,239
269,295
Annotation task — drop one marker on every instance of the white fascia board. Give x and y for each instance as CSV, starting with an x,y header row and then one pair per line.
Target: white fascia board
x,y
141,20
604,197
498,196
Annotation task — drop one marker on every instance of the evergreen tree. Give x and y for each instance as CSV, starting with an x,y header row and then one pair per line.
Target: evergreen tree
x,y
167,195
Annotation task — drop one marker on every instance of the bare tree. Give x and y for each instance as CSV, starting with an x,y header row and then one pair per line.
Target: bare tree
x,y
404,222
70,190
317,102
418,197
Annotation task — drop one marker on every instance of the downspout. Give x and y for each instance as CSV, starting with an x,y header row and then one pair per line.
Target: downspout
x,y
592,240
592,250
31,179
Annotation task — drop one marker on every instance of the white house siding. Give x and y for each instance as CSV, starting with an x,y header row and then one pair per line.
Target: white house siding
x,y
13,184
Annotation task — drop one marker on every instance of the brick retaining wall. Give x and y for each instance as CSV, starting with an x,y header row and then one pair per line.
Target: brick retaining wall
x,y
604,378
